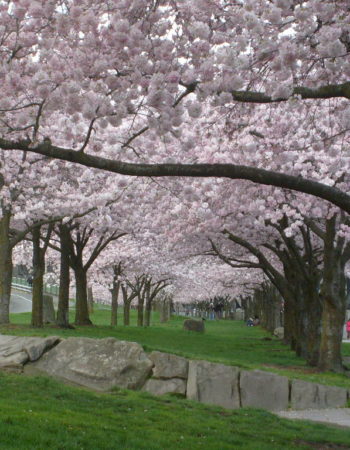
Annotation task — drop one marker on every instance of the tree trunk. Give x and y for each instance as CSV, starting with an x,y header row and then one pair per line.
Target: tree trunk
x,y
38,280
63,294
126,315
333,293
5,268
90,296
312,326
148,312
333,319
164,310
115,296
81,306
140,305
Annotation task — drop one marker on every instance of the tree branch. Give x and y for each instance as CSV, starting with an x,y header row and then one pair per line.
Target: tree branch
x,y
232,171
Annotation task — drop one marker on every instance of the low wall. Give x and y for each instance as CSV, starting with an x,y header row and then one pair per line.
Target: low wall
x,y
103,364
232,387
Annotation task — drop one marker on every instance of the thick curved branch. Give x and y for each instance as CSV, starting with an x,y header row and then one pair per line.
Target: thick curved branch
x,y
322,92
233,171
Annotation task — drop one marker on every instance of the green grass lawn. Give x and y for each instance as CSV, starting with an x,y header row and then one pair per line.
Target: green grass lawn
x,y
227,342
42,414
39,413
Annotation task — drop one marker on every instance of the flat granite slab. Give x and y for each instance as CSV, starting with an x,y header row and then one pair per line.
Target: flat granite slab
x,y
334,416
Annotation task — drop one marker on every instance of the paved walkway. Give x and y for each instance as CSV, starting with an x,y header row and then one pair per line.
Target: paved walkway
x,y
335,416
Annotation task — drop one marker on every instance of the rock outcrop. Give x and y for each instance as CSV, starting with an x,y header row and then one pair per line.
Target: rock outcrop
x,y
15,351
100,364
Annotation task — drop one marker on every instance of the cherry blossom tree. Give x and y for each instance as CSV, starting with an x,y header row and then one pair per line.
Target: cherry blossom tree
x,y
137,70
253,90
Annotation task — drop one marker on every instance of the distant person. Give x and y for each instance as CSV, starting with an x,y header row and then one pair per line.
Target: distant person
x,y
256,321
250,322
211,311
30,280
348,328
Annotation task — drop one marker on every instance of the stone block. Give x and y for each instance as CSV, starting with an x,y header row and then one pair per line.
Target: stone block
x,y
214,384
194,325
99,364
306,395
161,387
239,314
168,366
264,390
279,332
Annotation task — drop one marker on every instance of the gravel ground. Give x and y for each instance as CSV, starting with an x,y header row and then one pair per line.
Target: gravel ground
x,y
335,416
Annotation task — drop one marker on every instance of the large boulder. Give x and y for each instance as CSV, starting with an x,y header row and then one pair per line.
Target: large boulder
x,y
99,364
212,383
161,387
15,351
305,395
194,325
168,366
264,390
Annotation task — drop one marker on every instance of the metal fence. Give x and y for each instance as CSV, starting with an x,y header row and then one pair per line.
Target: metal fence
x,y
23,283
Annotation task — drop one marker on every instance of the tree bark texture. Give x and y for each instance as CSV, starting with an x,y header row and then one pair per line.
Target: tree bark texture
x,y
114,307
333,293
81,307
38,280
6,267
63,294
90,295
140,306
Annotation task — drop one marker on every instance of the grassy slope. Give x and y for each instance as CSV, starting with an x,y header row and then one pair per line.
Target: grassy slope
x,y
40,413
228,342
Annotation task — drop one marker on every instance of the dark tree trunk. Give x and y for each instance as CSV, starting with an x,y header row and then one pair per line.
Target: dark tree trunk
x,y
63,294
140,305
127,299
114,307
312,325
333,293
90,295
332,330
81,307
5,268
38,280
148,312
126,314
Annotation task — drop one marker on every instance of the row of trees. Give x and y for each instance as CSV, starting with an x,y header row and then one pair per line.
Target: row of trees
x,y
213,91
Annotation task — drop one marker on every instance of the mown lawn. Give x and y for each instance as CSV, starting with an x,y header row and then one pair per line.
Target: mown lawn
x,y
38,413
228,342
